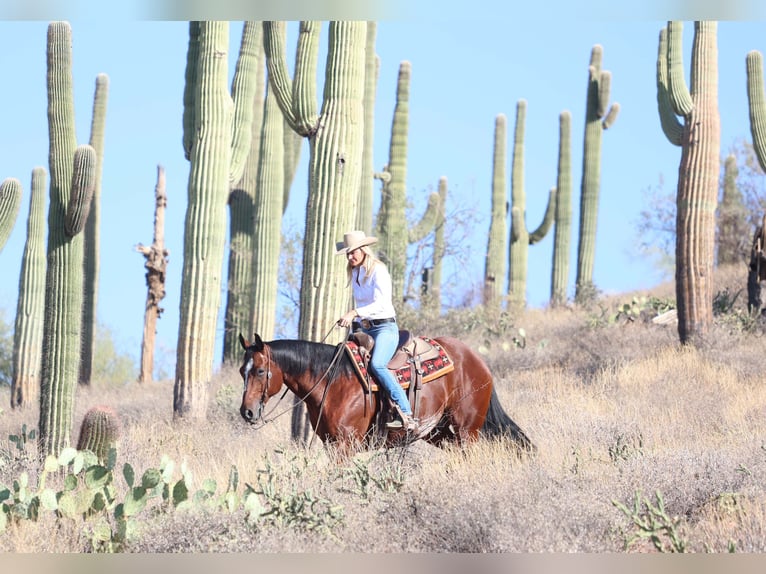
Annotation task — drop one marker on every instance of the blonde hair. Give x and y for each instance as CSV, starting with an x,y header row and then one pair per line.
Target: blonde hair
x,y
369,262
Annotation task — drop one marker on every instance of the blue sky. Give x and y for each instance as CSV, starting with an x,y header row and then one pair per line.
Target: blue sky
x,y
465,71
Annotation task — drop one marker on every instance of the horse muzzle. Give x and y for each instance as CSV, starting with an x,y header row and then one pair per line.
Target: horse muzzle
x,y
250,415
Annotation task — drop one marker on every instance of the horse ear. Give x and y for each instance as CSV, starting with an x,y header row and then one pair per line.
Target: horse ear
x,y
258,342
243,342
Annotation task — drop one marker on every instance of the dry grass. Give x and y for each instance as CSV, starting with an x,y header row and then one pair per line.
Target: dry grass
x,y
618,410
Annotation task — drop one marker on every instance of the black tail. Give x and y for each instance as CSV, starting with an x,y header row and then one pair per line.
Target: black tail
x,y
498,424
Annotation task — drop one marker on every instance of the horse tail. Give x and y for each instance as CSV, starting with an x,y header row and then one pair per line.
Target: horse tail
x,y
499,424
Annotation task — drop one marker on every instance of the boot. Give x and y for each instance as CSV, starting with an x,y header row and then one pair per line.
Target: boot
x,y
409,423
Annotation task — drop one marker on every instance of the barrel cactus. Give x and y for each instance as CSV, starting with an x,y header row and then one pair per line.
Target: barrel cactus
x,y
100,431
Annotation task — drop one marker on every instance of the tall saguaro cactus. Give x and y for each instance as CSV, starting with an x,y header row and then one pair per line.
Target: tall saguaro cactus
x,y
28,330
699,136
217,136
497,245
335,137
563,228
391,225
10,201
268,220
597,119
91,233
521,238
366,188
72,180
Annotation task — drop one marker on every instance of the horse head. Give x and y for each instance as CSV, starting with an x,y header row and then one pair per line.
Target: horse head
x,y
257,372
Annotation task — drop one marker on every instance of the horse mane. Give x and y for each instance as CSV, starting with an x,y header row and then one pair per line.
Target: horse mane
x,y
296,357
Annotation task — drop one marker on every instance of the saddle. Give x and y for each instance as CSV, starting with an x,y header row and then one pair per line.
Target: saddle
x,y
417,361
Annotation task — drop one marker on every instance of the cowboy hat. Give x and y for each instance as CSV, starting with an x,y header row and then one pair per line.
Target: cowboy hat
x,y
354,240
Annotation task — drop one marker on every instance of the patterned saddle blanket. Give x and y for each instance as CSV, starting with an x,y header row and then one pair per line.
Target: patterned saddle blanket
x,y
415,358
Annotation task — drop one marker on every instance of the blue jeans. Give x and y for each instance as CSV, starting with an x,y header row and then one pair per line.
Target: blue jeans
x,y
386,338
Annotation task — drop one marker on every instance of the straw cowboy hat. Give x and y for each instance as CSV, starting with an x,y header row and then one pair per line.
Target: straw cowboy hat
x,y
353,240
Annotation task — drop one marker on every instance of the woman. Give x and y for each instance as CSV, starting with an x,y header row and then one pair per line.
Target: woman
x,y
374,314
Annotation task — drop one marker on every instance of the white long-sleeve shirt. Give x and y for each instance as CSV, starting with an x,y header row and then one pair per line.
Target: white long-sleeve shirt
x,y
373,294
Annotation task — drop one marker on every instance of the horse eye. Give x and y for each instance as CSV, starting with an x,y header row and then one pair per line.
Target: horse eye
x,y
260,372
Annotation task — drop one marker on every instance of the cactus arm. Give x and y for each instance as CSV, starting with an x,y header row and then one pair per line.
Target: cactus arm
x,y
304,82
189,121
81,195
757,104
243,89
428,221
680,98
611,116
274,45
547,222
10,202
671,126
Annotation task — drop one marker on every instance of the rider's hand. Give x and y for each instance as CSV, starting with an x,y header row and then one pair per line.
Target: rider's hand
x,y
346,319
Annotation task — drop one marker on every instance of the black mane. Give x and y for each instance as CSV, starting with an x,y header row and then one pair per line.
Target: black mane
x,y
296,356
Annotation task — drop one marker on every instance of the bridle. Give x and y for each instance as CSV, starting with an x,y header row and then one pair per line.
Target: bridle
x,y
264,395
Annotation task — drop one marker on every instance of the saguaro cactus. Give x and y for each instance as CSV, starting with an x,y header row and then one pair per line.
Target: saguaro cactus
x,y
91,233
72,180
28,331
597,119
697,196
335,137
366,188
156,263
268,220
521,238
242,198
733,226
433,301
217,136
391,225
563,228
497,245
10,201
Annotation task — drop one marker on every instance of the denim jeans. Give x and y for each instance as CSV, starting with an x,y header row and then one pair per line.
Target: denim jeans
x,y
386,338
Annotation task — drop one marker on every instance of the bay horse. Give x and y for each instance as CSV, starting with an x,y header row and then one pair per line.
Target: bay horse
x,y
456,408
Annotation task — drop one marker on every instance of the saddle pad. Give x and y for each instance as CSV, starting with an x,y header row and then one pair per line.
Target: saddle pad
x,y
432,368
